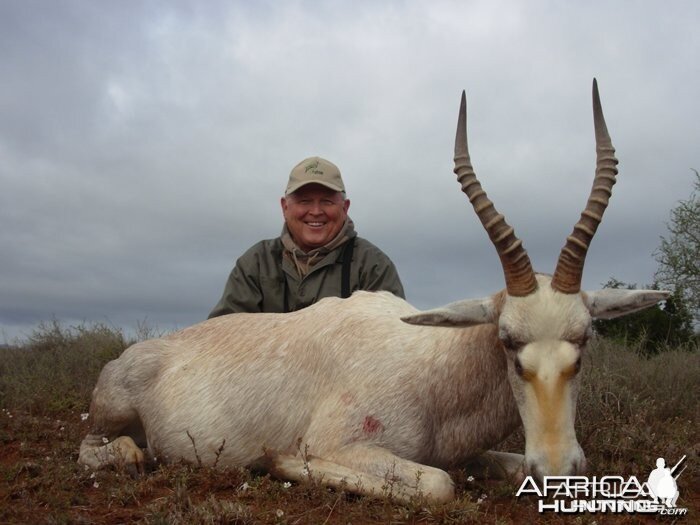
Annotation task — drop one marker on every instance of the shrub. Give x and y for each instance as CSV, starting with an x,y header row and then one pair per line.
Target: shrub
x,y
652,330
56,368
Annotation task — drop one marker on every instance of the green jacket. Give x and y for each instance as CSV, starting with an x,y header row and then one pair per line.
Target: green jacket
x,y
257,282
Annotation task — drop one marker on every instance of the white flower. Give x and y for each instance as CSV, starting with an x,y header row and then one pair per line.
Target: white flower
x,y
84,416
470,479
279,513
96,485
92,476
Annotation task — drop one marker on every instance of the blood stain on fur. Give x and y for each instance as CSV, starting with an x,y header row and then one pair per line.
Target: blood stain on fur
x,y
372,425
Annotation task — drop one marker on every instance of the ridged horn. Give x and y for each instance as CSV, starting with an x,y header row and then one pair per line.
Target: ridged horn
x,y
569,271
520,278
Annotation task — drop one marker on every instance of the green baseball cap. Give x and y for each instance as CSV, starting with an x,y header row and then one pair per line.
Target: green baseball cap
x,y
315,170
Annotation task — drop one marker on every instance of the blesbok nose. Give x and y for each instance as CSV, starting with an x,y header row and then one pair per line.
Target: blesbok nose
x,y
574,467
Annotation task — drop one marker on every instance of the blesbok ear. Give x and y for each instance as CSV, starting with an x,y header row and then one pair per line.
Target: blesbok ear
x,y
611,303
469,312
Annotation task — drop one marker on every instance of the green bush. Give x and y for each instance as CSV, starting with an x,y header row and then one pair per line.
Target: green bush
x,y
653,330
56,369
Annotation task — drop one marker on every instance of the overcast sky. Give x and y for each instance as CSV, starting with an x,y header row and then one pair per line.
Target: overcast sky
x,y
144,145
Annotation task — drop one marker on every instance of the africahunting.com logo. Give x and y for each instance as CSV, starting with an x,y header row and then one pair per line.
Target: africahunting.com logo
x,y
609,494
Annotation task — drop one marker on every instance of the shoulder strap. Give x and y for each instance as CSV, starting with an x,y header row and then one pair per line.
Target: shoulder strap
x,y
283,280
345,275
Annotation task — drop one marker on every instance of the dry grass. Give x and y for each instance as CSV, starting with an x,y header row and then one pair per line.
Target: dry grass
x,y
631,411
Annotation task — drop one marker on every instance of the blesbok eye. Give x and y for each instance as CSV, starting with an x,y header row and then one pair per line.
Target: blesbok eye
x,y
582,342
511,344
518,367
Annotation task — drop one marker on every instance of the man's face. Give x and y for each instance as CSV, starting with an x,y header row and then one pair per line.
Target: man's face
x,y
314,215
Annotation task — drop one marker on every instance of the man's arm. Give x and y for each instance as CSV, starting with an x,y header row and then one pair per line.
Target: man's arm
x,y
242,292
377,271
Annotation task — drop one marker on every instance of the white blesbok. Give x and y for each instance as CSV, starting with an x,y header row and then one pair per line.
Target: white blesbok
x,y
368,393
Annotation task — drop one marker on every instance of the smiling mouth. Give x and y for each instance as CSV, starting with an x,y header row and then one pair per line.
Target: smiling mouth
x,y
315,224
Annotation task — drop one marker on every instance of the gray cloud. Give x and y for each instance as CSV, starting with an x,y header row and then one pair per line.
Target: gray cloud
x,y
144,146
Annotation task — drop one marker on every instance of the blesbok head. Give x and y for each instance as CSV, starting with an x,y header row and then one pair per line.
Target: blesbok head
x,y
544,322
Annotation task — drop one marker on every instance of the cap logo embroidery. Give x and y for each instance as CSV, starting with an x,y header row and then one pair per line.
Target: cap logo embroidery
x,y
313,168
